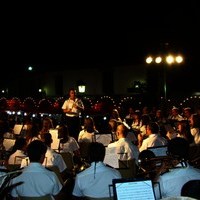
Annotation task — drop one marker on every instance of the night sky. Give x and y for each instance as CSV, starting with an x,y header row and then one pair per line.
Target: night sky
x,y
99,35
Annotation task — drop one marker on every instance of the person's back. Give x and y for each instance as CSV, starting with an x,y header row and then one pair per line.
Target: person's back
x,y
37,180
125,149
94,181
171,182
52,158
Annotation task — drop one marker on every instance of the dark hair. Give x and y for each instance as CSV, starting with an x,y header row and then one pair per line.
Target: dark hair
x,y
96,152
191,189
47,139
146,154
20,143
154,127
178,147
35,150
63,132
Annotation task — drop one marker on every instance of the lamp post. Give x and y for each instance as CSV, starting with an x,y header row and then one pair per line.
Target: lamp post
x,y
81,86
167,60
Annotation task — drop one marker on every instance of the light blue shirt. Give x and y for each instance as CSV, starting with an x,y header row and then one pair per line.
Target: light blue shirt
x,y
172,182
38,181
94,181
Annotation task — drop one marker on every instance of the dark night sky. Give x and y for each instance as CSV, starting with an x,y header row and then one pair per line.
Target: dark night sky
x,y
95,35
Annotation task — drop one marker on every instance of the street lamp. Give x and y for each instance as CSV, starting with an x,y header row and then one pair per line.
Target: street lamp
x,y
165,60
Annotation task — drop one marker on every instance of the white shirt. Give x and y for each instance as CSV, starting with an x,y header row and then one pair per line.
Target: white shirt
x,y
84,136
69,104
125,149
52,158
94,182
70,146
153,140
196,134
16,160
38,181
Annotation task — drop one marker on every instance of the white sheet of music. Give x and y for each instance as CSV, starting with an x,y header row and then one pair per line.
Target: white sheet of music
x,y
17,129
56,140
137,190
105,139
111,158
8,143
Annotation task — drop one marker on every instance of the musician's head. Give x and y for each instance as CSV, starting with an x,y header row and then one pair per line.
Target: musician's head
x,y
36,151
145,159
96,152
179,148
72,93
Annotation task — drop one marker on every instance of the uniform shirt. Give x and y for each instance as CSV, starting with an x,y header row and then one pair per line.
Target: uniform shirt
x,y
38,181
153,140
125,149
69,104
16,160
52,158
172,182
84,136
94,181
70,146
2,175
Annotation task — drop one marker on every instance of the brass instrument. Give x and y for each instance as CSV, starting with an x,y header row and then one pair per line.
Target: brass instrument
x,y
152,167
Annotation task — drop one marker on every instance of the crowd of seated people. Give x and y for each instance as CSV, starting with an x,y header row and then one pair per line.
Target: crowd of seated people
x,y
149,130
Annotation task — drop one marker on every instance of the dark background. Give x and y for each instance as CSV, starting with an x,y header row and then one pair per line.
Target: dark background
x,y
55,36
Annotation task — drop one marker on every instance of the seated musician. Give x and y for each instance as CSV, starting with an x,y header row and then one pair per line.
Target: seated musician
x,y
181,172
94,181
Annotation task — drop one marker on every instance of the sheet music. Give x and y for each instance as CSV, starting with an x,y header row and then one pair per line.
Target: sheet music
x,y
137,190
56,141
8,143
105,139
159,151
111,158
17,129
